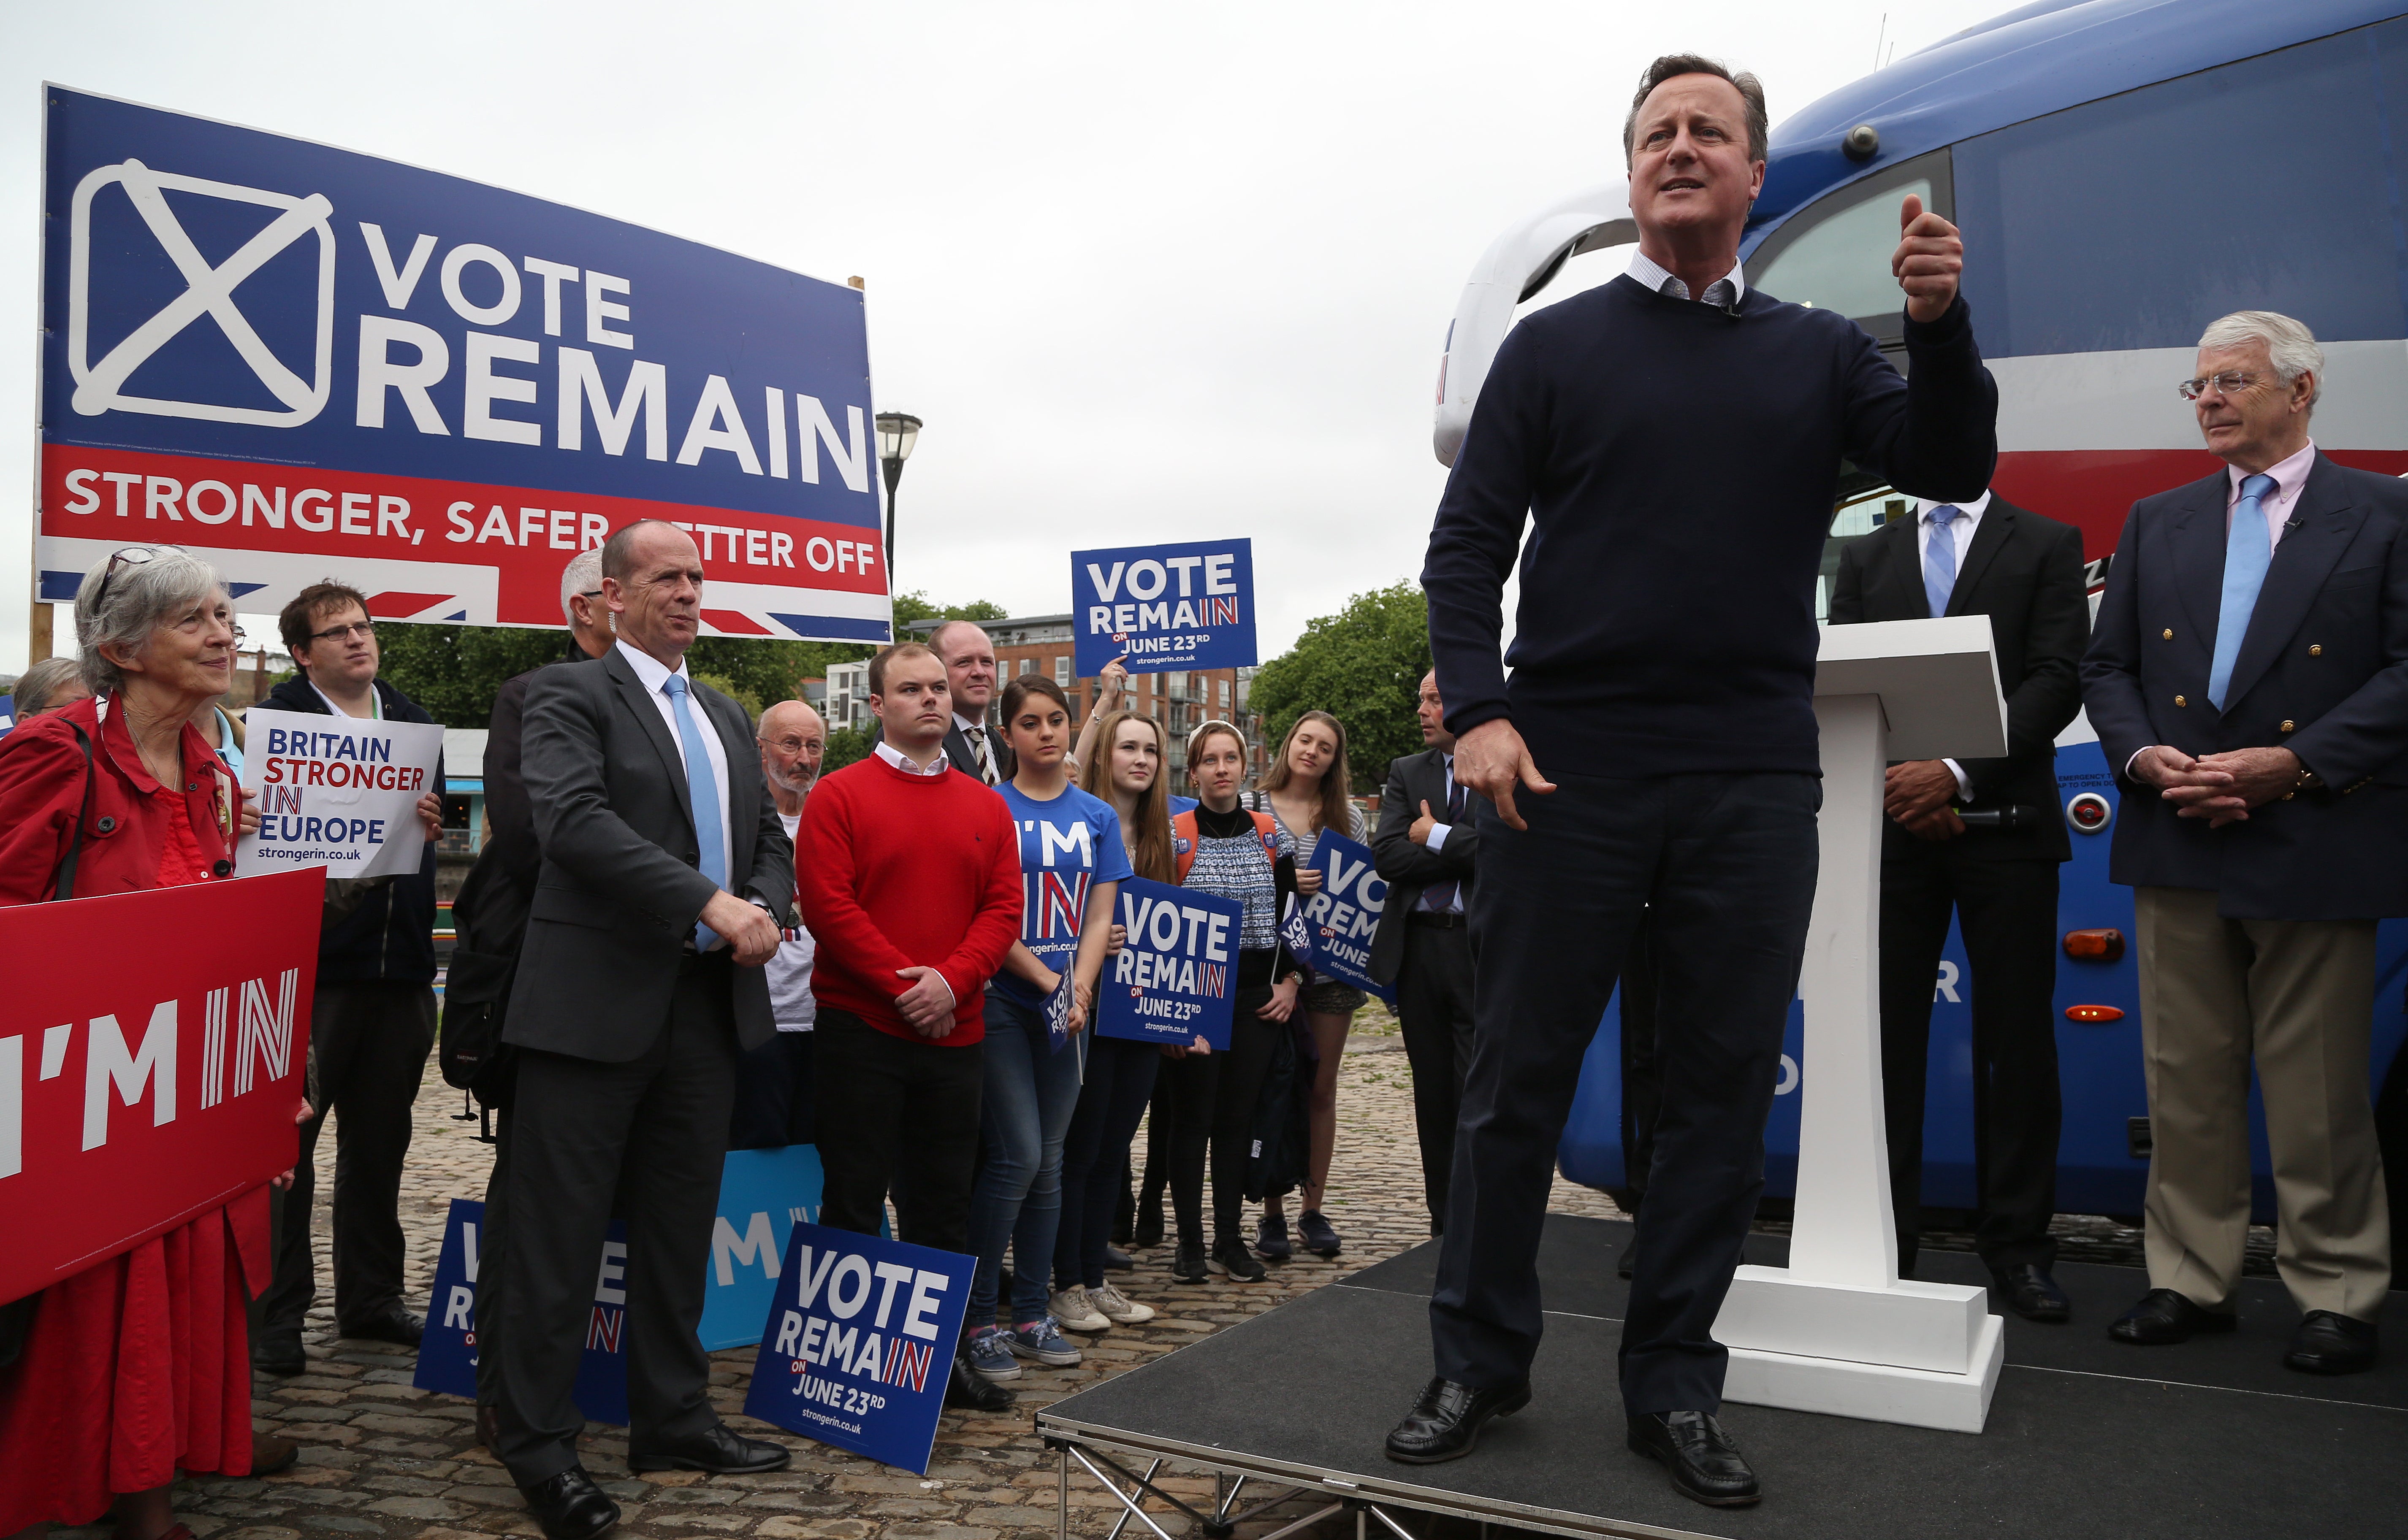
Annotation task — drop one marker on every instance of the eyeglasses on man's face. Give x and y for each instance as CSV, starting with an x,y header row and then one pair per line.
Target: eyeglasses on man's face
x,y
2232,382
362,629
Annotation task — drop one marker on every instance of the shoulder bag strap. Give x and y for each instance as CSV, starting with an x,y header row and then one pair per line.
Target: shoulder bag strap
x,y
65,888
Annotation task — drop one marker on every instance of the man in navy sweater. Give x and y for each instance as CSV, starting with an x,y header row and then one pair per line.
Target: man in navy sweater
x,y
1675,439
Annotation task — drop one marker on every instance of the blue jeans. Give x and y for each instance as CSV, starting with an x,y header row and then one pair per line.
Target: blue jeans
x,y
1030,1095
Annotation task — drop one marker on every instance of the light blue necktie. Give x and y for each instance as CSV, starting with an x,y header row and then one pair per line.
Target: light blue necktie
x,y
2246,555
709,827
1940,558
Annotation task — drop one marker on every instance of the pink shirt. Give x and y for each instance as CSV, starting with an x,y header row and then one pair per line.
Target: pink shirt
x,y
2290,476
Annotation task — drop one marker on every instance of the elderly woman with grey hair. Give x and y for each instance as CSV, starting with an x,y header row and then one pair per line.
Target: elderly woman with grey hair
x,y
52,683
139,1364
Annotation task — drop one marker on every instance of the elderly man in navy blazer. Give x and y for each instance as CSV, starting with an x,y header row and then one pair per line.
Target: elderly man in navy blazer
x,y
2248,676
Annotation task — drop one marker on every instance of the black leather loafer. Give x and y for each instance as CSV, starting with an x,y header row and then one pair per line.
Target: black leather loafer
x,y
391,1324
2329,1343
721,1451
570,1507
1118,1261
1446,1421
973,1391
279,1353
1700,1458
2163,1317
2031,1293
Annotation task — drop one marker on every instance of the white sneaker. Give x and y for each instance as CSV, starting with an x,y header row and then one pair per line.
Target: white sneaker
x,y
1119,1306
1074,1310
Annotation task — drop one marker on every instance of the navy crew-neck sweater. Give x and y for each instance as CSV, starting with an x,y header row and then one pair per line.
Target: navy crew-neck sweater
x,y
1679,464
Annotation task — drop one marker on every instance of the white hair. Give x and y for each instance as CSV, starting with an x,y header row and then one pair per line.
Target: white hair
x,y
142,597
2291,347
583,575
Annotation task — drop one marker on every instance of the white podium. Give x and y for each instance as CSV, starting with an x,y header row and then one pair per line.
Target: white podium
x,y
1837,1331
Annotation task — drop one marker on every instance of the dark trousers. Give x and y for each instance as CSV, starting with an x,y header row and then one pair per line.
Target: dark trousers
x,y
775,1105
1095,1153
902,1116
1727,863
368,1043
2007,911
1434,1015
1643,1091
646,1139
1214,1100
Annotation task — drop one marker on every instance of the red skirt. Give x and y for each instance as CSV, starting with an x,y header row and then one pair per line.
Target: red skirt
x,y
133,1369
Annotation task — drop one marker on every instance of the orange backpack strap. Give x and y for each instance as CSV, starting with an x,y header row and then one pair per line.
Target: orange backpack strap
x,y
1266,830
1183,841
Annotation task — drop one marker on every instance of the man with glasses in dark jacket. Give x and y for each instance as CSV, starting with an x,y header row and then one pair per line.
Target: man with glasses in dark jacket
x,y
371,1025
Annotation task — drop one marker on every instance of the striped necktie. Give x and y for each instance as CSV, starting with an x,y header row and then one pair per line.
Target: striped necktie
x,y
1940,558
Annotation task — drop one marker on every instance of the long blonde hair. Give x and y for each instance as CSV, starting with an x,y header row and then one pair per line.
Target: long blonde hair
x,y
1336,810
1150,845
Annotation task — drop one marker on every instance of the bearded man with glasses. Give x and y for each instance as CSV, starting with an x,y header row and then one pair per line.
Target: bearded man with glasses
x,y
2248,676
371,1023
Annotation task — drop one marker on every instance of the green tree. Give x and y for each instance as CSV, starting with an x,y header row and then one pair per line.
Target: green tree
x,y
1363,665
844,746
917,605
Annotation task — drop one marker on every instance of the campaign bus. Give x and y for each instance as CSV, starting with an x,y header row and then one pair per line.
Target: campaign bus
x,y
2120,181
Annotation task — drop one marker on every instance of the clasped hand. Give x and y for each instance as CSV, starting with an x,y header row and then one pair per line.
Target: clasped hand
x,y
2219,788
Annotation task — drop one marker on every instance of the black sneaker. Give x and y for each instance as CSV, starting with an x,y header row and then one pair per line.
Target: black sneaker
x,y
1270,1238
973,1391
1231,1258
1187,1266
1318,1237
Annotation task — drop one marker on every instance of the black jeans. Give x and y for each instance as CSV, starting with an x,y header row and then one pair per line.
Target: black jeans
x,y
1213,1099
902,1116
1434,997
368,1043
1726,864
2007,910
1120,1081
585,1140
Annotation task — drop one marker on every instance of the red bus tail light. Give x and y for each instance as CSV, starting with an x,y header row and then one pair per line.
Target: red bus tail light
x,y
2098,945
2093,1013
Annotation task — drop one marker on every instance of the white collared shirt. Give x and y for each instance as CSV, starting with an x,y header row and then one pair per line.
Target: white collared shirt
x,y
2290,479
375,702
1969,519
1661,281
650,670
896,758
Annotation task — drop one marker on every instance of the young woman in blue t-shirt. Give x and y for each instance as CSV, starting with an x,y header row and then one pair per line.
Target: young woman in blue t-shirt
x,y
1072,863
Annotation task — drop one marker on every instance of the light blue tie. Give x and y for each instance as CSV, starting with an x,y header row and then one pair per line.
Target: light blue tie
x,y
709,826
1940,558
2246,555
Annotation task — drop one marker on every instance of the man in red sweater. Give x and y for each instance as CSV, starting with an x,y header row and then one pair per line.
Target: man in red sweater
x,y
910,875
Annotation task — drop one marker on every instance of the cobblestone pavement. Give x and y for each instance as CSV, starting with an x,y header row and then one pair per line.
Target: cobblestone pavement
x,y
383,1458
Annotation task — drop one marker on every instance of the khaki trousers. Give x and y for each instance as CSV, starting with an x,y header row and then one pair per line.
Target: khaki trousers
x,y
2297,995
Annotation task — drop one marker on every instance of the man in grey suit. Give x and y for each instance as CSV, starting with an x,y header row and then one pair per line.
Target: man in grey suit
x,y
638,984
1425,846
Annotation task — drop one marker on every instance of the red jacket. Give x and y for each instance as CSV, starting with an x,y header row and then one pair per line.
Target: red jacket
x,y
42,788
899,871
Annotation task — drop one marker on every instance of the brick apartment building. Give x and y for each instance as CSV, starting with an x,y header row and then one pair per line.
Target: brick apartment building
x,y
1043,643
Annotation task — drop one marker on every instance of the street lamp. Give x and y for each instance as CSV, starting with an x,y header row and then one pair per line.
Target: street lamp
x,y
896,432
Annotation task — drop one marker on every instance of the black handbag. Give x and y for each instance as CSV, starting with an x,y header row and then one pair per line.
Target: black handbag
x,y
476,986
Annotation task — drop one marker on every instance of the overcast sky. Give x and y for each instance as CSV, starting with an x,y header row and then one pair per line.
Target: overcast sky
x,y
1148,273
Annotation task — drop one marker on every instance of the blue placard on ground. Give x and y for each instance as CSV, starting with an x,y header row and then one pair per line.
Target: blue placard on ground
x,y
1165,606
762,1194
447,1355
1176,978
1340,921
860,1342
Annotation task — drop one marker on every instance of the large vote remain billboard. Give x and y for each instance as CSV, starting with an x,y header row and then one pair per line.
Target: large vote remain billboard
x,y
301,362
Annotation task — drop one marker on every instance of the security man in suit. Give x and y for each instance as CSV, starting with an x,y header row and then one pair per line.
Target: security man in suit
x,y
2249,682
638,985
1425,846
1981,837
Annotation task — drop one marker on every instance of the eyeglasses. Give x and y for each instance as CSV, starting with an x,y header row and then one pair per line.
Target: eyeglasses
x,y
2230,383
131,556
364,629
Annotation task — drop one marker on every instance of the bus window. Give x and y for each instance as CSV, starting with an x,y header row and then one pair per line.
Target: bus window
x,y
1835,255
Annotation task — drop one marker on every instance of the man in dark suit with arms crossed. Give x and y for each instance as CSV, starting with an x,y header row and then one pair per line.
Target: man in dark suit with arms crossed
x,y
1426,845
2249,682
638,984
1672,440
1984,557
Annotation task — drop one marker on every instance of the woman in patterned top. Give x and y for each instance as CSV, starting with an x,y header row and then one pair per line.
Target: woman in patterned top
x,y
1241,856
1305,789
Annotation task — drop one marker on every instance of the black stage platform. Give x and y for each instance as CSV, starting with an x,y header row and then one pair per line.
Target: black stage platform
x,y
2087,1437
